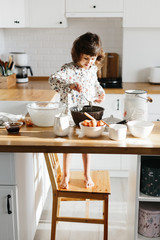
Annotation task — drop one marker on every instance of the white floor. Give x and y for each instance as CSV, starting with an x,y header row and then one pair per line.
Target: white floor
x,y
78,231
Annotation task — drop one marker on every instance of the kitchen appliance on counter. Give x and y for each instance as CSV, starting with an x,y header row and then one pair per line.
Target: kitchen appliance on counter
x,y
22,73
154,77
108,76
21,66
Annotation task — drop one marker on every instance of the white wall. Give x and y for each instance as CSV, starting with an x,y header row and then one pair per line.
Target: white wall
x,y
48,49
2,49
141,50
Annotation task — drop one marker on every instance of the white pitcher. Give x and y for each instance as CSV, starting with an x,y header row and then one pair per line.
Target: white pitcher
x,y
61,125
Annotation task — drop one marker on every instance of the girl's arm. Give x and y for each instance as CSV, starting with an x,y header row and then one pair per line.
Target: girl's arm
x,y
61,83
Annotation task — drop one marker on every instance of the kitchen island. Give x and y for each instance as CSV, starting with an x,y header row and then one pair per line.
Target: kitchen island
x,y
36,139
39,140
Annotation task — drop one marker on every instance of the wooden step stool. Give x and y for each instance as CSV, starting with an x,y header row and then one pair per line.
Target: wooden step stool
x,y
77,191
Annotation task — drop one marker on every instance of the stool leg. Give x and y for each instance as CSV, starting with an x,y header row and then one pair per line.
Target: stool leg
x,y
106,219
54,217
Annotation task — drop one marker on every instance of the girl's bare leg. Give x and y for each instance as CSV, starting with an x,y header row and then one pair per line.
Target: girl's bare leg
x,y
66,169
87,177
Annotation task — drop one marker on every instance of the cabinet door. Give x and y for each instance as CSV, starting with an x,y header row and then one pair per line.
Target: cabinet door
x,y
141,13
7,169
12,13
8,213
94,6
113,105
153,108
47,13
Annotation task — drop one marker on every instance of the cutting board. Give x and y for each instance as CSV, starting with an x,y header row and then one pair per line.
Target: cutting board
x,y
110,67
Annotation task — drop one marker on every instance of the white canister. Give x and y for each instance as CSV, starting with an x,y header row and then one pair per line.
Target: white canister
x,y
155,75
61,125
135,105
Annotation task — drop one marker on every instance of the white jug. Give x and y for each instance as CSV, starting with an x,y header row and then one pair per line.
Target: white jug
x,y
61,125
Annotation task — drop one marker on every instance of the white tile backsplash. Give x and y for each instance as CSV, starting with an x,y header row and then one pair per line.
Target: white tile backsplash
x,y
49,49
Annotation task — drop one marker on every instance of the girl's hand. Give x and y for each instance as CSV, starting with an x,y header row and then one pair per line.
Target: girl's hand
x,y
76,86
100,98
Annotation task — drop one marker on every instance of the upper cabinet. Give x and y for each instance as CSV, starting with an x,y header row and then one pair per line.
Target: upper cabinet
x,y
141,13
47,14
12,14
94,8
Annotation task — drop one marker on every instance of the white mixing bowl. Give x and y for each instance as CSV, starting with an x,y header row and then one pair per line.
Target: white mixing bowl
x,y
140,128
43,113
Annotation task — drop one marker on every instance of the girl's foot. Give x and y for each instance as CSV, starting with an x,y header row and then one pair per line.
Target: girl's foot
x,y
64,183
88,181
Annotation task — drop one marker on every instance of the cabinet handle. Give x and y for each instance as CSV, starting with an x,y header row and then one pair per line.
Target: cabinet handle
x,y
94,6
8,204
117,104
60,22
16,21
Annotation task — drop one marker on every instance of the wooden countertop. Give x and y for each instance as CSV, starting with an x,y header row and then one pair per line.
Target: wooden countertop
x,y
36,139
38,89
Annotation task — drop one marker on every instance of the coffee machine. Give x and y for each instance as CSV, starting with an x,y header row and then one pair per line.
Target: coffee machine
x,y
22,73
21,67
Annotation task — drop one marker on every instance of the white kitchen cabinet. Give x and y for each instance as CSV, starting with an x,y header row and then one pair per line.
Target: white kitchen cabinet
x,y
135,197
141,13
94,8
8,213
24,177
47,14
153,108
13,14
113,105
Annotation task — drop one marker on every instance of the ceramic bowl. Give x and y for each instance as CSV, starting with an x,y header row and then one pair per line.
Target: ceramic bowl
x,y
43,113
92,132
117,131
140,128
78,115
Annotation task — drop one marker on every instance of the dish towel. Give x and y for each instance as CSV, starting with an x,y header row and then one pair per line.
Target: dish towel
x,y
8,117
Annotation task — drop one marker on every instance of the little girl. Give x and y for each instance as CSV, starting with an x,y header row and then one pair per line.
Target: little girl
x,y
76,80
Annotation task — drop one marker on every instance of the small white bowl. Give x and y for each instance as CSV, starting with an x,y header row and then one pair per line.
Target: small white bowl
x,y
140,128
117,131
92,132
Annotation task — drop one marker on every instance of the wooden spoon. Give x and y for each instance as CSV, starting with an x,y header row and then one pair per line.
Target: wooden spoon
x,y
89,116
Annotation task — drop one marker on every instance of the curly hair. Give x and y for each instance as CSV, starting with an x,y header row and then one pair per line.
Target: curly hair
x,y
89,44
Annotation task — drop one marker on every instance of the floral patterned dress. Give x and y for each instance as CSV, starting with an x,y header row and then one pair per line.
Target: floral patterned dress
x,y
71,73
